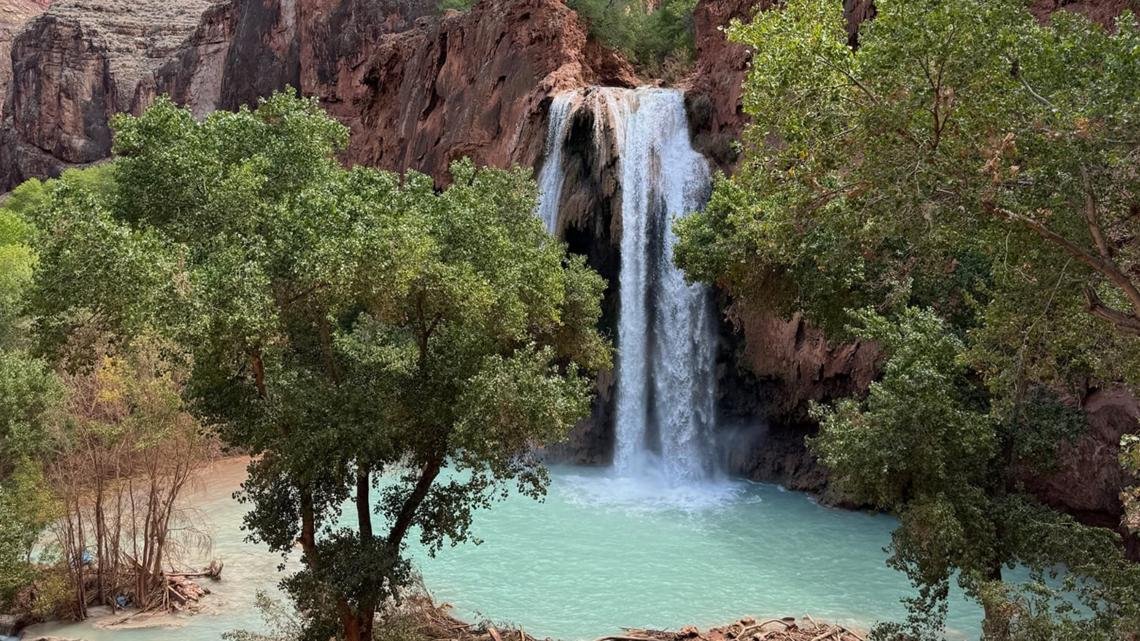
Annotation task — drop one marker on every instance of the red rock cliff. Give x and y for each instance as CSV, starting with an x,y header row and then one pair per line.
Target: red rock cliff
x,y
417,89
14,14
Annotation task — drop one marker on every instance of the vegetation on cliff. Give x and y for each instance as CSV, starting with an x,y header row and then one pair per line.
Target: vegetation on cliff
x,y
961,188
655,35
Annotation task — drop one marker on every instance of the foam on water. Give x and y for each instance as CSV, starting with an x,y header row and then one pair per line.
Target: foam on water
x,y
649,493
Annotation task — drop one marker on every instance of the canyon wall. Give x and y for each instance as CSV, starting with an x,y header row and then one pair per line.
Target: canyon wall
x,y
418,89
14,15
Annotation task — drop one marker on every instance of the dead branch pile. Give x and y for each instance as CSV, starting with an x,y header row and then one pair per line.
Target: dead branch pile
x,y
437,623
180,592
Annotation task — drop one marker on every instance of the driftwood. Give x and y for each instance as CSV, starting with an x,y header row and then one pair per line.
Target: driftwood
x,y
212,571
435,621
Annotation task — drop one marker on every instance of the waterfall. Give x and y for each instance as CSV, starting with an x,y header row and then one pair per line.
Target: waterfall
x,y
552,177
666,332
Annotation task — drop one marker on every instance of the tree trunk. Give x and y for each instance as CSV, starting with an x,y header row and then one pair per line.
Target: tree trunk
x,y
995,626
408,510
364,504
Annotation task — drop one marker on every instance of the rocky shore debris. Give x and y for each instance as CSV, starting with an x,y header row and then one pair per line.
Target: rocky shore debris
x,y
436,621
747,629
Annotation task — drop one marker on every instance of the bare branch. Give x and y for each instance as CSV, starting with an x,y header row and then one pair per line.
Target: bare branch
x,y
1091,217
1127,323
1124,321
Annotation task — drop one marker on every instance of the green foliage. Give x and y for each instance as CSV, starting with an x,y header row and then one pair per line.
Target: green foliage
x,y
341,325
25,509
16,264
1130,461
98,277
455,5
28,394
924,445
18,209
921,168
650,38
22,200
31,400
970,162
921,429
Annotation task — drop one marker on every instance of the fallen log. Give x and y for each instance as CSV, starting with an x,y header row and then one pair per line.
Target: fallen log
x,y
212,571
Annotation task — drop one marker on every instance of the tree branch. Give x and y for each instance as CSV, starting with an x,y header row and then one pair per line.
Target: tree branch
x,y
1091,217
412,504
1124,321
1127,323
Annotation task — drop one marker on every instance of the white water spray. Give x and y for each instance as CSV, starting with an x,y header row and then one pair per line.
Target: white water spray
x,y
552,176
666,334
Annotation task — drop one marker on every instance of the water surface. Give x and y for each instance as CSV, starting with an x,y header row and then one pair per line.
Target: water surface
x,y
602,553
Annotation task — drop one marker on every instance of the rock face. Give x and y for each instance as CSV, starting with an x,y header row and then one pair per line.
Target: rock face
x,y
14,14
1088,478
74,67
713,99
417,89
1102,11
791,364
489,73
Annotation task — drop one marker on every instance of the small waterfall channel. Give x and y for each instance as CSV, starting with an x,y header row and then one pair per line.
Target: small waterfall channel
x,y
666,383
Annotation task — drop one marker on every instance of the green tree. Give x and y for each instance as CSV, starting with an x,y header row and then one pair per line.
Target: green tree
x,y
356,331
30,393
957,156
26,507
650,34
924,445
971,162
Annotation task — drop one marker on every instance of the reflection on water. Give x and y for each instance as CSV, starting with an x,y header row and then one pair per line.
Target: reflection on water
x,y
601,553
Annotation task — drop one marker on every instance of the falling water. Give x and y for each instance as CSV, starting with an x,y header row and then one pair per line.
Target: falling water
x,y
552,177
666,334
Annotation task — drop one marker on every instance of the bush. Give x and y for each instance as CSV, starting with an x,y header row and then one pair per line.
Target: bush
x,y
655,40
455,5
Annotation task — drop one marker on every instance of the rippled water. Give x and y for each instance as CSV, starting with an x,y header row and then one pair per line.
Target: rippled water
x,y
602,553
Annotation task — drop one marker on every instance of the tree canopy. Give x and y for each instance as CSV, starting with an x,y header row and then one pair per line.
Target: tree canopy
x,y
356,331
961,188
